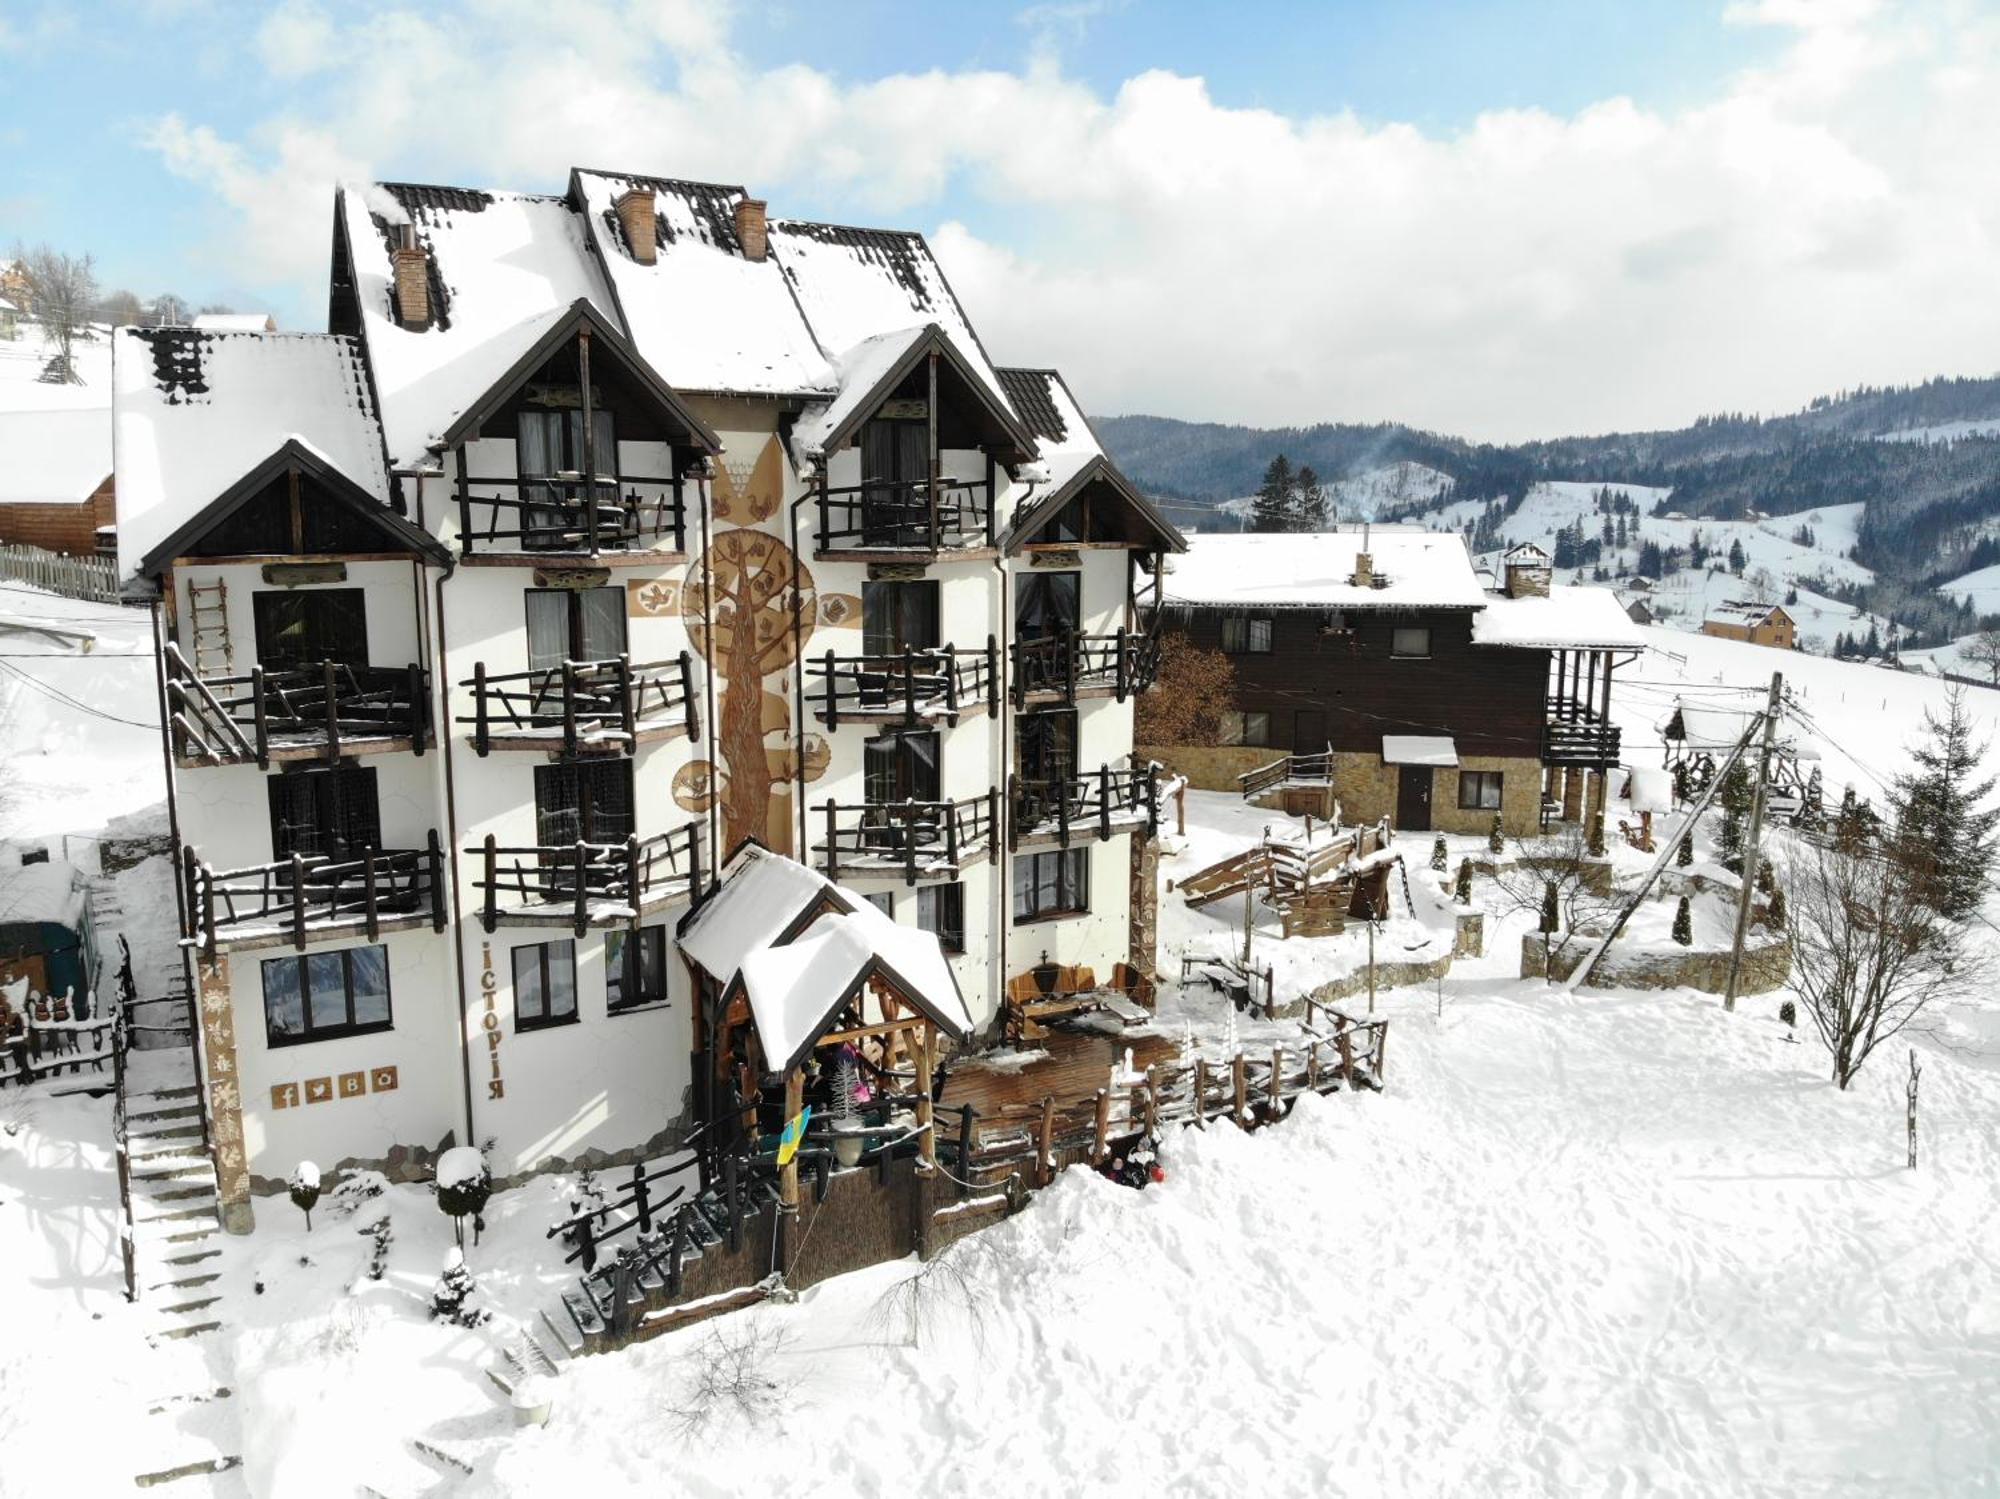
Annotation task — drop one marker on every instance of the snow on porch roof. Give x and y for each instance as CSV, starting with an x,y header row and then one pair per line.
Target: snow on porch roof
x,y
1418,749
1423,569
1569,618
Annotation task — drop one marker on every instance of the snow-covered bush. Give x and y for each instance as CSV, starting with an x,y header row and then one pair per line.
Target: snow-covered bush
x,y
1463,892
463,1185
1440,855
304,1187
1777,911
378,1252
1684,850
451,1297
1496,839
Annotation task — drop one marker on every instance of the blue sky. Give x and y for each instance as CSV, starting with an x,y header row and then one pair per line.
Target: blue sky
x,y
1502,219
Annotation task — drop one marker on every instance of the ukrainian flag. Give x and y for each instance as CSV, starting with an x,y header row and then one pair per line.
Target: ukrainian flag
x,y
795,1131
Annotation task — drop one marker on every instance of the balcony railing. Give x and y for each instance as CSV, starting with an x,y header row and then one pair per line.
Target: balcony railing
x,y
902,516
587,884
1064,666
1095,804
569,513
918,840
291,713
1288,770
309,898
582,704
1582,739
915,685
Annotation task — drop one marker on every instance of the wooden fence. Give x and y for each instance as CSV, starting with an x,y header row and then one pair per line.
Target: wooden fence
x,y
94,578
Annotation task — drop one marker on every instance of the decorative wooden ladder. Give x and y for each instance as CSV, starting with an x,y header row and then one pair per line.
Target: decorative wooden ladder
x,y
208,607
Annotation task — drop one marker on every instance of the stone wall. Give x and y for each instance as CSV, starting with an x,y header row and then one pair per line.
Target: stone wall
x,y
1767,963
1209,767
1367,790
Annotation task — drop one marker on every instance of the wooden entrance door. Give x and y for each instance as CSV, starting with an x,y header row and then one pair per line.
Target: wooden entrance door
x,y
1413,798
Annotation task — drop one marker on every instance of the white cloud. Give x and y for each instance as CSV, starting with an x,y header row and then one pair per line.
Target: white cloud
x,y
1813,223
296,39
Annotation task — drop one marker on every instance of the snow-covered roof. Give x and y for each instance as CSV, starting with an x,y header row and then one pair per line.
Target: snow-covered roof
x,y
54,457
706,317
1651,787
236,322
36,893
1525,553
797,967
193,412
867,368
504,267
1744,612
1072,459
1571,617
1715,728
1418,749
1417,569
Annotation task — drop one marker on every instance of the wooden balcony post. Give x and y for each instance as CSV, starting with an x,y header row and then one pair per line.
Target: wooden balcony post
x,y
1103,802
580,917
1013,811
492,914
1062,791
694,861
191,888
825,522
634,889
1153,802
332,712
569,707
258,713
1069,641
992,817
1121,674
951,683
482,728
932,487
911,824
951,835
909,684
832,695
420,710
627,707
370,915
991,508
964,1150
688,708
992,675
298,903
434,858
832,843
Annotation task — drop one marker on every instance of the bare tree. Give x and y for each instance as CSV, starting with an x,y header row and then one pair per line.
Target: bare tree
x,y
1983,651
1869,951
120,308
1190,695
64,290
1552,878
170,311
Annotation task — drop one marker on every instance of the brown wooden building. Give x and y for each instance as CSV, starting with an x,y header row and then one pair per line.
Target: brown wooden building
x,y
55,480
1758,623
1438,703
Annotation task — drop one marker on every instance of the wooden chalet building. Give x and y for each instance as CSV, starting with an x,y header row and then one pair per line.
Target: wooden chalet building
x,y
1754,621
607,532
1373,661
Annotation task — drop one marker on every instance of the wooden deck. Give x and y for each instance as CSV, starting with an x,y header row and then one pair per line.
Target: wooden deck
x,y
1077,1063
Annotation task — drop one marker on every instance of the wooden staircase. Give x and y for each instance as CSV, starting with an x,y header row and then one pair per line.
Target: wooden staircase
x,y
1313,881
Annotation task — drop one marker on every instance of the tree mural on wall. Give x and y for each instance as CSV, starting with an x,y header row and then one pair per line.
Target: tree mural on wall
x,y
756,578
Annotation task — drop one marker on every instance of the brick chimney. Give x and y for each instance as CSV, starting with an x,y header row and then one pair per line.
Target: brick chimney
x,y
412,271
638,214
1364,570
750,228
1527,580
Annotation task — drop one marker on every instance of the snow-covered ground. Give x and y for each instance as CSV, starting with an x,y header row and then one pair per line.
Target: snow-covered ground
x,y
25,356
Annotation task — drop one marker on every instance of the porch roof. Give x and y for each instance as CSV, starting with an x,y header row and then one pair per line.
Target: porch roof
x,y
1419,749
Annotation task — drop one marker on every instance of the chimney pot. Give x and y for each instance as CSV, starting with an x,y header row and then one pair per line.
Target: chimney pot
x,y
750,228
638,213
413,283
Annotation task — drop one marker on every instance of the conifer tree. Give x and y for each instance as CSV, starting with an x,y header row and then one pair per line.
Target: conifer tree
x,y
1684,851
1440,855
1272,508
1464,890
1496,842
1684,924
1735,801
1944,829
1308,501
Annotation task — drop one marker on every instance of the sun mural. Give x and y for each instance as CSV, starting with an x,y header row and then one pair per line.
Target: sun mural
x,y
757,581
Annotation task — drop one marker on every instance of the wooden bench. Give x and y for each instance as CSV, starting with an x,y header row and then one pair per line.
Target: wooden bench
x,y
1052,992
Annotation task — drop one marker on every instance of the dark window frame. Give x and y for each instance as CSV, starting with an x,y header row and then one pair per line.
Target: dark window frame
x,y
267,629
1072,885
541,517
1257,740
1396,651
544,1021
1468,779
1243,626
947,926
310,1031
627,970
345,800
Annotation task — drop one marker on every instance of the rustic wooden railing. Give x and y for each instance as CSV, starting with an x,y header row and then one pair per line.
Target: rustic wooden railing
x,y
583,702
944,682
1093,804
1582,740
1124,662
903,516
93,578
324,707
586,880
1314,769
570,513
915,839
305,897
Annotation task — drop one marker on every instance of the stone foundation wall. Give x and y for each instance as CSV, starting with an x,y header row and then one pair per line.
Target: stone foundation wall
x,y
1767,963
1367,790
1209,767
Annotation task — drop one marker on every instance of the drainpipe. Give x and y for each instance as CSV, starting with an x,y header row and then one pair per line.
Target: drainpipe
x,y
716,851
799,670
1003,862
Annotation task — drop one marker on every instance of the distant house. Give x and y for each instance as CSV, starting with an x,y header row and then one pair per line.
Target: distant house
x,y
1754,621
1639,612
56,488
10,318
46,935
236,322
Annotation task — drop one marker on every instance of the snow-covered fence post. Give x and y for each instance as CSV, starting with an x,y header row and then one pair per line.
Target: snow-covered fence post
x,y
1100,1139
1201,1092
1045,1136
642,1200
1239,1082
1277,1089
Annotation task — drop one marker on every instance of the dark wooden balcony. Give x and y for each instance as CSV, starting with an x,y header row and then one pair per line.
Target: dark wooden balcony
x,y
582,885
914,687
314,899
583,705
906,519
1583,739
918,840
1063,668
1096,804
318,712
570,514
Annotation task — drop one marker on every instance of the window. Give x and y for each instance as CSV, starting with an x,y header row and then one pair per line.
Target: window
x,y
883,901
895,468
544,984
1047,746
589,800
318,996
941,911
1047,605
574,624
1410,640
548,443
309,627
900,768
896,616
1246,634
635,968
330,814
1252,729
1055,883
1479,790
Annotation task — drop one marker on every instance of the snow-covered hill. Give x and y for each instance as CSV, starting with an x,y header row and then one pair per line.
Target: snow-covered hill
x,y
27,354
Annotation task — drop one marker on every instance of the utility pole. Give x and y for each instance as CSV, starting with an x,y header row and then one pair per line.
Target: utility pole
x,y
1749,890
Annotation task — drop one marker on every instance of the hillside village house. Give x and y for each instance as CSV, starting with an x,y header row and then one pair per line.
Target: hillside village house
x,y
56,484
1438,703
606,535
1758,623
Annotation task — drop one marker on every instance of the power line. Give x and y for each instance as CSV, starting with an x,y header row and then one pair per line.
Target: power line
x,y
43,687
